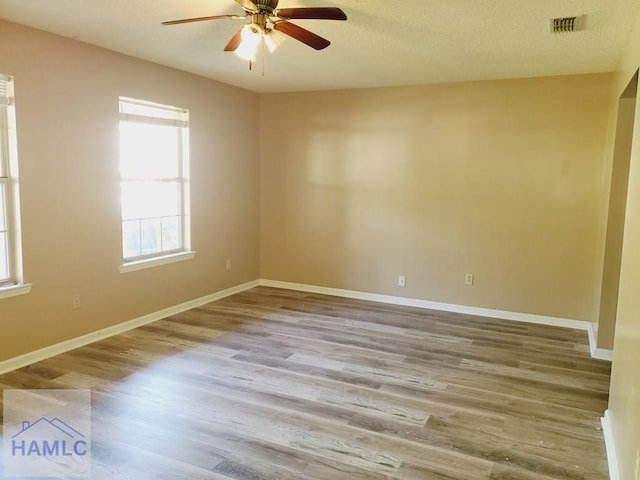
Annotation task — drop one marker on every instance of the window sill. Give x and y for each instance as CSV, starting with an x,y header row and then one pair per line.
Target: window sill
x,y
15,290
155,262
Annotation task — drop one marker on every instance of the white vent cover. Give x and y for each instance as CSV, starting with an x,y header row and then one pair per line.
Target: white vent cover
x,y
565,24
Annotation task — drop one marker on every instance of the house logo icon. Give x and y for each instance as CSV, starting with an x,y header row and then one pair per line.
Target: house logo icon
x,y
47,433
48,438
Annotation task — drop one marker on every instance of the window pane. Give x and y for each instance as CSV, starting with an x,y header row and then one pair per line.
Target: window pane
x,y
4,258
150,199
150,233
3,148
131,239
154,166
10,261
3,209
171,233
148,151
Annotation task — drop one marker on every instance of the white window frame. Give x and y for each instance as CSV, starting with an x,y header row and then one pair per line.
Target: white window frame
x,y
150,113
14,283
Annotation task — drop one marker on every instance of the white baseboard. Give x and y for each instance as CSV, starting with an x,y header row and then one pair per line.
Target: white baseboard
x,y
599,353
589,327
445,307
609,440
47,352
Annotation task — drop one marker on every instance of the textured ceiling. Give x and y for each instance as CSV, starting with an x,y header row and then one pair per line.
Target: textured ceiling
x,y
384,42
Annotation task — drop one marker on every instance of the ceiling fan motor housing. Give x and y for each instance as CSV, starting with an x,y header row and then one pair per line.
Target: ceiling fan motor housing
x,y
266,5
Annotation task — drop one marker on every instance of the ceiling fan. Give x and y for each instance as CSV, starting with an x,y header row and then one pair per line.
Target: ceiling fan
x,y
268,23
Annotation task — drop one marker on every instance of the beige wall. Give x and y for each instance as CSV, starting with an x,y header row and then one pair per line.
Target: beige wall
x,y
624,403
502,179
617,200
67,114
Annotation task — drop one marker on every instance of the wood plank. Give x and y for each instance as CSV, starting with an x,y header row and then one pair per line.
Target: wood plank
x,y
274,384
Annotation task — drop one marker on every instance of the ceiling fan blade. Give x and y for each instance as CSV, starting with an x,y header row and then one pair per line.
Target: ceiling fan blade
x,y
327,13
202,19
234,43
302,34
248,5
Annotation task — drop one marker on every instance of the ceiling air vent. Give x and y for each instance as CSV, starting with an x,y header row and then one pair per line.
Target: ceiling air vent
x,y
565,24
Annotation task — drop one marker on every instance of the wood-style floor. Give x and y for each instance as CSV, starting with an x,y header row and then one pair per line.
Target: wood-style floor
x,y
274,384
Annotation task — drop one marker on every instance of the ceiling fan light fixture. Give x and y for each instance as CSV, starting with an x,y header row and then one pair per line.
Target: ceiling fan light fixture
x,y
273,39
271,24
251,36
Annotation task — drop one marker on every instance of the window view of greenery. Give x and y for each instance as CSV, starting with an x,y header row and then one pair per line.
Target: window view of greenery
x,y
153,169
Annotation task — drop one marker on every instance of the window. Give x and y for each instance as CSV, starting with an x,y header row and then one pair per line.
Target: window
x,y
10,260
154,172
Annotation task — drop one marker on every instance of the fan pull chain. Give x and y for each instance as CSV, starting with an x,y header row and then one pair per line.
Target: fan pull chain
x,y
264,54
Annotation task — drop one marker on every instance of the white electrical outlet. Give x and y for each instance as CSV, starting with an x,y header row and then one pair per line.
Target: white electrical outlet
x,y
75,301
402,281
468,279
228,264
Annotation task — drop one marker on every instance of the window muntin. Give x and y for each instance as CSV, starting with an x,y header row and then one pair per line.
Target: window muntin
x,y
154,153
